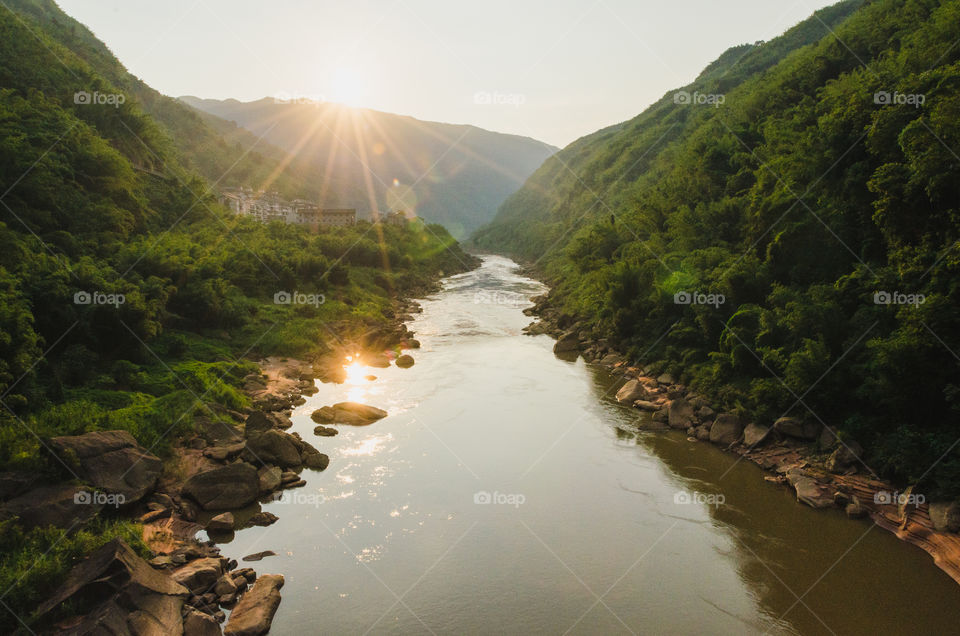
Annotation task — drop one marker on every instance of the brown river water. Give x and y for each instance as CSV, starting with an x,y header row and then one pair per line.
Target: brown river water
x,y
506,493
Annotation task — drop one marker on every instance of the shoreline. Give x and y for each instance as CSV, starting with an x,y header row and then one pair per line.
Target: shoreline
x,y
215,480
824,472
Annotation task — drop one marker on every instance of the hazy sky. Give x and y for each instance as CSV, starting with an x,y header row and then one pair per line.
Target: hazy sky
x,y
554,70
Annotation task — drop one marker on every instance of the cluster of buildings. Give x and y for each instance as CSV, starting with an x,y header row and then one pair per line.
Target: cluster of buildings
x,y
270,206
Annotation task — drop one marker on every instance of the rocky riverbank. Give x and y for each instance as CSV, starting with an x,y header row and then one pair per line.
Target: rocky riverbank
x,y
823,471
214,481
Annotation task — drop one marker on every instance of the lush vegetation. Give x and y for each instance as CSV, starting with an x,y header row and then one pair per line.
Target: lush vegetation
x,y
129,299
798,198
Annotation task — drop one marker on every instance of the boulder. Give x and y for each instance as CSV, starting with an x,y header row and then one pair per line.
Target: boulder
x,y
405,361
665,378
945,516
755,434
324,431
631,392
662,416
64,506
352,413
726,429
253,615
13,483
197,623
200,575
112,461
568,341
263,519
680,414
314,459
269,478
134,598
229,487
809,490
706,413
794,427
843,457
827,438
646,405
702,433
223,522
257,556
275,447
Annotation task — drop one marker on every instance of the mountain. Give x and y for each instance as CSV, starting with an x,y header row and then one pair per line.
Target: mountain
x,y
456,175
813,183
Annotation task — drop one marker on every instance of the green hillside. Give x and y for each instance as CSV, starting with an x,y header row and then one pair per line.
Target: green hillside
x,y
129,299
818,184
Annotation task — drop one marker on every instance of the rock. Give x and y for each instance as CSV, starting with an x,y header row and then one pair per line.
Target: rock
x,y
324,431
196,623
351,413
257,423
288,477
794,427
405,361
256,556
706,413
134,598
275,447
809,490
631,392
200,575
63,506
112,461
269,477
263,519
299,483
755,434
154,515
854,510
225,586
680,414
702,433
827,439
666,378
945,516
662,416
846,455
568,341
223,453
645,405
370,378
223,522
14,483
726,429
230,487
314,459
253,615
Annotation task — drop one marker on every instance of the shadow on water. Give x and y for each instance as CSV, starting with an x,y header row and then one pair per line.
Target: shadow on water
x,y
811,571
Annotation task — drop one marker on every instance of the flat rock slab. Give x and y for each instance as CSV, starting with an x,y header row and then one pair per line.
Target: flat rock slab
x,y
352,413
111,460
230,487
63,506
253,615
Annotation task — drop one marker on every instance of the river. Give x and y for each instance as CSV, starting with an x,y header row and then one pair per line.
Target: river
x,y
507,493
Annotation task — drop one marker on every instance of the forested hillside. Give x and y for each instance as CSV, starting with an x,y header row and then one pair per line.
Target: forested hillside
x,y
129,299
810,183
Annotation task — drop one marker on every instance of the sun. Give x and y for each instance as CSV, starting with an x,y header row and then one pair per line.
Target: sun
x,y
350,87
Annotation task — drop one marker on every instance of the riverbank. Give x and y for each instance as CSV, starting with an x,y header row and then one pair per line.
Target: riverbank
x,y
214,480
824,471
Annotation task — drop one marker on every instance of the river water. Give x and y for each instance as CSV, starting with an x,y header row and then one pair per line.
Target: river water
x,y
507,493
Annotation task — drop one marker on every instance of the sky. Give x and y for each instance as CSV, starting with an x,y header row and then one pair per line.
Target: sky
x,y
554,70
